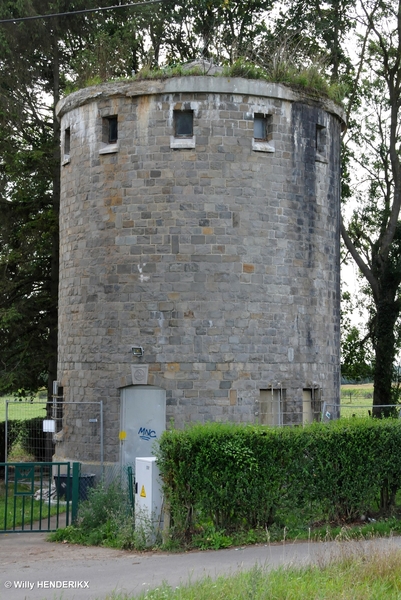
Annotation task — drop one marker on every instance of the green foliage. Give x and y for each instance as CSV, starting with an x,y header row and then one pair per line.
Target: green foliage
x,y
219,479
209,538
244,68
372,235
310,79
355,363
164,73
105,519
33,439
28,434
29,175
24,511
356,352
13,432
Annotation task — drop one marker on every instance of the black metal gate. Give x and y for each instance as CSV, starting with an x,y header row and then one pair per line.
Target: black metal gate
x,y
38,496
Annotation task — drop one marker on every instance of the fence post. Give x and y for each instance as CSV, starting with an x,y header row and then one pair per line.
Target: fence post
x,y
131,488
6,436
76,469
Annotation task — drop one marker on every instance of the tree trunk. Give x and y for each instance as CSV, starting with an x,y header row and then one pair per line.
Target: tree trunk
x,y
54,268
54,261
387,311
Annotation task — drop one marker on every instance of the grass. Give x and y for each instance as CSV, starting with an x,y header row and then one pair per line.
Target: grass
x,y
211,539
355,391
356,399
19,454
22,409
309,79
366,575
382,528
26,509
104,521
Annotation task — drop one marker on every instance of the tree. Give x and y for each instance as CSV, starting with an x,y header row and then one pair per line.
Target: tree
x,y
38,59
28,203
319,30
373,236
356,352
371,156
34,60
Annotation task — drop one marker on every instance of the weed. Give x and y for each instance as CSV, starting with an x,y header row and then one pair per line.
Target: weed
x,y
244,68
279,70
211,538
107,519
20,454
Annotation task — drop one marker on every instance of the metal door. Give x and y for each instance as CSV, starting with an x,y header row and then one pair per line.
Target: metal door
x,y
143,419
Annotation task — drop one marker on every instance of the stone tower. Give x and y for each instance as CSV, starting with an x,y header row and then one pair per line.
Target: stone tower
x,y
199,224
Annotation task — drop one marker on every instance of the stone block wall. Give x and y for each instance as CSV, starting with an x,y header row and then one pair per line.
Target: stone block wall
x,y
218,253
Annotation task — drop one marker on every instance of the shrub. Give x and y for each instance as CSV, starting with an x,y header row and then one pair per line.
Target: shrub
x,y
33,439
244,68
251,476
105,519
13,432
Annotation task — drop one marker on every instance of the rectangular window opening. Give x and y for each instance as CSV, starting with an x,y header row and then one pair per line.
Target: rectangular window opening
x,y
320,141
67,143
262,127
271,406
311,405
183,123
110,130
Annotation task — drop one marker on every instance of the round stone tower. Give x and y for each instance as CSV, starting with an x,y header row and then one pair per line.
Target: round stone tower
x,y
199,228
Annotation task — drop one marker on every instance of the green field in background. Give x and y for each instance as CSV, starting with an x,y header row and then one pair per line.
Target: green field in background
x,y
24,409
356,400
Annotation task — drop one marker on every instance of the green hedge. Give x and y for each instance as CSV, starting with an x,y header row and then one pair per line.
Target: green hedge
x,y
250,476
29,433
33,438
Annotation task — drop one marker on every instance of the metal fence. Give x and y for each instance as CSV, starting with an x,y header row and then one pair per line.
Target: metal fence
x,y
356,395
38,497
35,430
278,414
358,411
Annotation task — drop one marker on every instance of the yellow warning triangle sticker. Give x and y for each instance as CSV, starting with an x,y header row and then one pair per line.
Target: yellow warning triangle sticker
x,y
143,493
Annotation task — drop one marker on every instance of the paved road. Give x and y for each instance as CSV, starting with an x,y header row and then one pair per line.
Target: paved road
x,y
27,560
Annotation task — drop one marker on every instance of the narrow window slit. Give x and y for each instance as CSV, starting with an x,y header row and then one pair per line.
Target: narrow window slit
x,y
67,142
113,130
321,143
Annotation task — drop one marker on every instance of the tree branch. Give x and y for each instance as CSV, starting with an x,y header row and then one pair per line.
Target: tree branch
x,y
359,261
